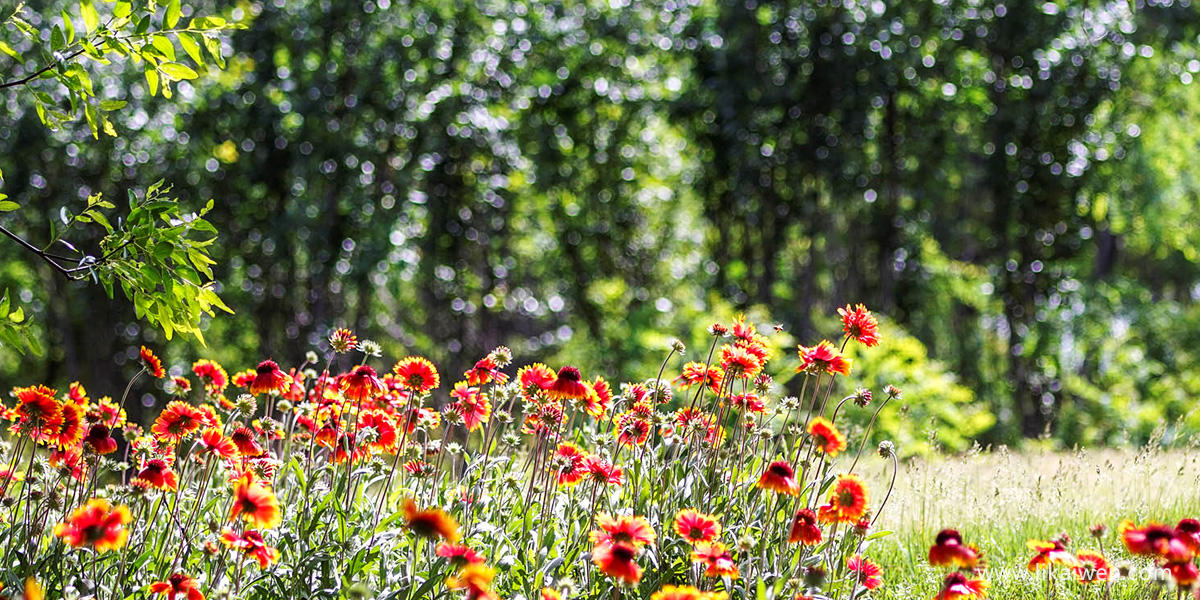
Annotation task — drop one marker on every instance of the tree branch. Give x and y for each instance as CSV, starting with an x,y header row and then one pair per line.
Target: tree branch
x,y
38,73
34,249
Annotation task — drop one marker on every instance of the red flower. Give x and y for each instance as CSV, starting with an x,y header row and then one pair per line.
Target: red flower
x,y
158,474
99,439
1185,574
385,430
37,407
617,561
535,379
697,527
67,430
212,374
1155,540
243,379
1188,532
417,375
632,430
804,528
866,572
567,463
362,384
599,398
178,421
602,471
568,385
1049,554
948,550
1092,567
958,587
748,402
151,363
485,371
458,555
780,478
716,560
847,501
180,585
268,378
251,544
212,440
429,523
860,324
826,437
476,579
180,386
342,340
255,503
824,357
96,524
624,530
243,438
739,362
474,408
696,373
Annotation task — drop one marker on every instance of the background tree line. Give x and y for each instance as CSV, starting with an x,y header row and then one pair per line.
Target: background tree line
x,y
1007,183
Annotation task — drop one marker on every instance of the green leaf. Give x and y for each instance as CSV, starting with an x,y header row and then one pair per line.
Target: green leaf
x,y
207,23
122,9
112,105
5,48
90,18
178,71
172,17
191,47
163,44
152,80
8,206
58,41
69,26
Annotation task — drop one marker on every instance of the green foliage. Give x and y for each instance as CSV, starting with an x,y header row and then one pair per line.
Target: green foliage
x,y
124,30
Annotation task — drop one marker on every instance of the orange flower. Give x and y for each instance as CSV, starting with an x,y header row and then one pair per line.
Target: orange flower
x,y
362,384
251,544
429,523
255,503
158,474
180,585
948,550
847,501
697,527
826,437
67,430
867,573
716,560
823,357
780,478
243,438
860,324
243,379
686,592
474,407
99,439
551,594
804,528
623,529
616,559
107,412
458,555
958,587
177,421
748,402
739,362
535,379
599,398
385,430
151,363
96,524
268,378
1092,567
417,375
476,579
1049,554
212,374
37,407
212,440
696,373
568,385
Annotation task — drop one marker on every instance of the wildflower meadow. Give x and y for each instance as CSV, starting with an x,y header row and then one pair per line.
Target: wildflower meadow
x,y
511,482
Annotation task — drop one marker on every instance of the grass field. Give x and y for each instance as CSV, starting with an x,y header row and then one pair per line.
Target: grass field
x,y
999,500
